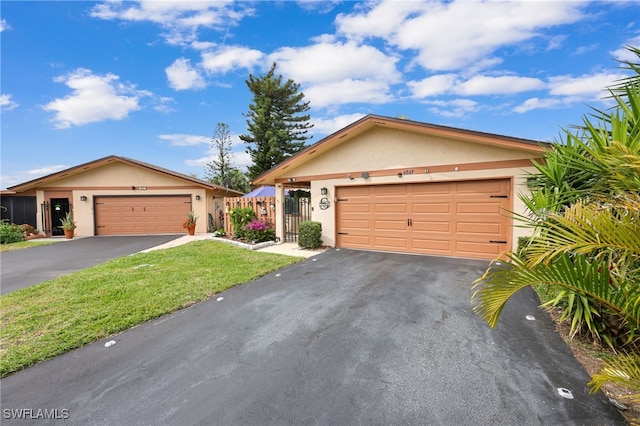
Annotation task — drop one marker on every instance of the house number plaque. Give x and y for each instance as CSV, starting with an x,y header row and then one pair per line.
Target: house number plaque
x,y
324,203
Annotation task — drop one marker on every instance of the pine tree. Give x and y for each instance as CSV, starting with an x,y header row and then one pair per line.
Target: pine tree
x,y
277,125
218,169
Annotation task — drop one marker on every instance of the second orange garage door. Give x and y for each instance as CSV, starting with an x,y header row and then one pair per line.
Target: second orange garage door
x,y
131,215
464,219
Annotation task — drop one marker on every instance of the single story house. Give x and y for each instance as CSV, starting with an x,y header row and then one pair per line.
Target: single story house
x,y
119,196
397,185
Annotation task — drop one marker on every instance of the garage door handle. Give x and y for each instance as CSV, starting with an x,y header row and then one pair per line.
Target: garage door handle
x,y
498,241
498,196
343,233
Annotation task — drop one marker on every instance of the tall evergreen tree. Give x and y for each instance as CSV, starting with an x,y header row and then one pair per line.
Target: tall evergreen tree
x,y
277,125
219,168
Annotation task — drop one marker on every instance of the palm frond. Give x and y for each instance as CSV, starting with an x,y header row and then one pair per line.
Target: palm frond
x,y
623,370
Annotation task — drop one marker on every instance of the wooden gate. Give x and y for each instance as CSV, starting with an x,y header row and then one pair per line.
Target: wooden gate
x,y
264,207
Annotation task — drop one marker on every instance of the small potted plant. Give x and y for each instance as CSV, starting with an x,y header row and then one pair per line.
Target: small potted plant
x,y
68,225
190,223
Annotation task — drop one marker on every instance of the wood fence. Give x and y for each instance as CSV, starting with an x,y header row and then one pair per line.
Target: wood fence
x,y
263,206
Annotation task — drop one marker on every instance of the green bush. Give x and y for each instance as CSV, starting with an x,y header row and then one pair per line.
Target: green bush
x,y
241,216
10,233
309,234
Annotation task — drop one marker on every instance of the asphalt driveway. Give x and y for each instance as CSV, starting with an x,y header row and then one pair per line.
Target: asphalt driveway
x,y
23,268
346,337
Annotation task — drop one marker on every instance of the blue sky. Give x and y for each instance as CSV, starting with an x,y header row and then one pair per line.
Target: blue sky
x,y
149,80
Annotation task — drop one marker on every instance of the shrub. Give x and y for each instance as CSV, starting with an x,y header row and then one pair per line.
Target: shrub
x,y
240,216
309,234
259,230
10,233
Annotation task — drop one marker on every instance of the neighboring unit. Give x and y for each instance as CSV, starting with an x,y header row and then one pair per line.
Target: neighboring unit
x,y
397,185
119,196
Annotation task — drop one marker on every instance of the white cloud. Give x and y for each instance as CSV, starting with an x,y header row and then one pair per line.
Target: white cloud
x,y
454,35
181,139
239,157
585,87
326,126
47,170
477,85
22,176
183,76
433,86
94,98
537,103
180,19
227,58
332,62
624,54
348,91
501,85
455,108
4,25
335,73
6,103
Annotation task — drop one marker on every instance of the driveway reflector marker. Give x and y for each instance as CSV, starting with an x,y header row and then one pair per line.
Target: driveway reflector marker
x,y
565,393
220,299
109,343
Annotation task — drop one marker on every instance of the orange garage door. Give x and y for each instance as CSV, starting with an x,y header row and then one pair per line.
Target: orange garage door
x,y
465,219
141,214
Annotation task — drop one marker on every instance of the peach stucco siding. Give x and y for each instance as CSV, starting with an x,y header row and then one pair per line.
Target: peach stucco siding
x,y
382,148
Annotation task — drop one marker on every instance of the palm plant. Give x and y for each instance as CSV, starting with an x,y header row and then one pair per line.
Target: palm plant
x,y
584,212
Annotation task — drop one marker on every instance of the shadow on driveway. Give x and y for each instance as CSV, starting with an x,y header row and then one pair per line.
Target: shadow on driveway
x,y
346,337
23,268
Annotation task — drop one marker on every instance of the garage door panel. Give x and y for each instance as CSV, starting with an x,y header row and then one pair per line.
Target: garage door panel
x,y
444,218
386,243
359,241
479,228
475,248
440,207
390,208
350,224
389,191
479,207
391,225
356,208
435,189
432,245
435,226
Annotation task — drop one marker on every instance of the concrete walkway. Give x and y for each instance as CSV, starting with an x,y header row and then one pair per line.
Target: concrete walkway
x,y
288,249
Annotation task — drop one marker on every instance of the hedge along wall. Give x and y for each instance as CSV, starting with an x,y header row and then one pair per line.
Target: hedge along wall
x,y
260,205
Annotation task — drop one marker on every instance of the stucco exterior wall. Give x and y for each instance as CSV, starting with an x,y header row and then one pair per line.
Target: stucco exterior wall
x,y
390,148
119,174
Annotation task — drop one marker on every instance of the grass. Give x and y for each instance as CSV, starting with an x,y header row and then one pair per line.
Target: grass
x,y
23,245
51,318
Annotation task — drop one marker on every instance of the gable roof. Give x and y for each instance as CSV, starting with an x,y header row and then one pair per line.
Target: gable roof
x,y
82,168
372,121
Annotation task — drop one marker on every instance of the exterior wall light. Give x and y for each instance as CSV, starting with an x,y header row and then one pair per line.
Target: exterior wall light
x,y
323,191
399,175
83,198
197,198
272,206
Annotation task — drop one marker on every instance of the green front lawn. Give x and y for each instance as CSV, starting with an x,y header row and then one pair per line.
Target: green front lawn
x,y
48,319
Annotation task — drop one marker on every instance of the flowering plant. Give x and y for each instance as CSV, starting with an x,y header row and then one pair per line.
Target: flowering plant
x,y
191,220
259,230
